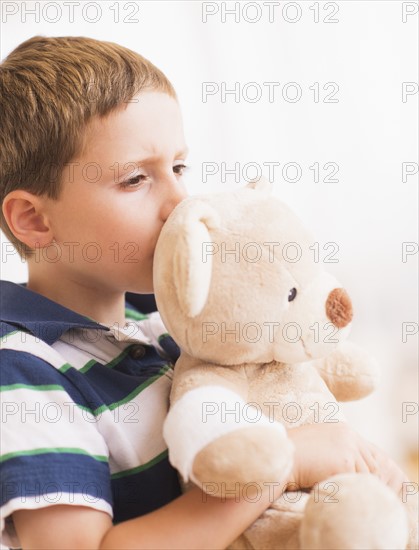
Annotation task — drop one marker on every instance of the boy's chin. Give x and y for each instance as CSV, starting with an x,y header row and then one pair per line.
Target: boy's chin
x,y
144,287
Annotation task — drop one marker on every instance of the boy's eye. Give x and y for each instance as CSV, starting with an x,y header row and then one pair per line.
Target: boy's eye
x,y
135,180
180,168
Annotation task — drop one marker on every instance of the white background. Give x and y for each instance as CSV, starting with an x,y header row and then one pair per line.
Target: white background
x,y
368,52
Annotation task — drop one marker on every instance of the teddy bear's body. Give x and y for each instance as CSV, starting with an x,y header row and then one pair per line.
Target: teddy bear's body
x,y
262,327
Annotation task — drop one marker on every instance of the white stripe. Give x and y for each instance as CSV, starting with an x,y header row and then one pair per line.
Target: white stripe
x,y
49,418
133,431
153,327
8,533
80,346
39,419
78,351
197,419
21,341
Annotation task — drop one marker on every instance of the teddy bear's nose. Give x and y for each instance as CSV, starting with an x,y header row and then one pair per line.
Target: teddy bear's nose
x,y
339,307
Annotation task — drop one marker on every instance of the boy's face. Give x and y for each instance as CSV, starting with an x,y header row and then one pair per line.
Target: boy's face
x,y
117,195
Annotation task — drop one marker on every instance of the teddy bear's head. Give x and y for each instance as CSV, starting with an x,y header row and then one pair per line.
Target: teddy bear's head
x,y
237,281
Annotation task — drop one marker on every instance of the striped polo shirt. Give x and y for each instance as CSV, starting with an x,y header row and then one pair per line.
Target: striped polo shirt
x,y
82,409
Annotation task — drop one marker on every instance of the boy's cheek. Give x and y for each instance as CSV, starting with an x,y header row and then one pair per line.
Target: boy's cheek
x,y
114,253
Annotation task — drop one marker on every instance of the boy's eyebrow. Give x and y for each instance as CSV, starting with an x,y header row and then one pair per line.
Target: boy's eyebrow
x,y
182,153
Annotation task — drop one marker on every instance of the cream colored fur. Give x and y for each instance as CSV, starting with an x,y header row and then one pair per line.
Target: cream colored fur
x,y
225,267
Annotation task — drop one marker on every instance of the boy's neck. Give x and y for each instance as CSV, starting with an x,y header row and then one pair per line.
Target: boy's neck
x,y
105,306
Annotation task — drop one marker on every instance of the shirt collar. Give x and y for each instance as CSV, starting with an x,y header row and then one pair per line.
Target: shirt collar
x,y
44,318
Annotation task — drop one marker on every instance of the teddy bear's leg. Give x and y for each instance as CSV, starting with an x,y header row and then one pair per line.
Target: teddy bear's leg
x,y
278,527
410,498
354,511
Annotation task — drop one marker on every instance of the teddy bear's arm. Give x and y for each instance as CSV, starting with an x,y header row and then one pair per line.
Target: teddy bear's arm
x,y
349,372
192,373
211,431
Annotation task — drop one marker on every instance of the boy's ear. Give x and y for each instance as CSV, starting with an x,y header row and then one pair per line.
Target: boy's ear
x,y
24,215
192,267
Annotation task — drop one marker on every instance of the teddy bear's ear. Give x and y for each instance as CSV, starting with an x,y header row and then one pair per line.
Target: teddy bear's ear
x,y
261,184
192,269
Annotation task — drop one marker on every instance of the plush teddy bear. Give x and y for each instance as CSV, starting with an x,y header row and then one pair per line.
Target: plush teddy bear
x,y
262,327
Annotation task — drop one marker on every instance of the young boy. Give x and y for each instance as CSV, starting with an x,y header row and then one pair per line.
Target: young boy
x,y
93,153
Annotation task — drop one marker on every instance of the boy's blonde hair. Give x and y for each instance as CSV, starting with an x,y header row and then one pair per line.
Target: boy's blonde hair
x,y
50,88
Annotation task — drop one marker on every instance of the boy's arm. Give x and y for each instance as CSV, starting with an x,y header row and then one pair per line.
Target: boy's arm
x,y
326,449
197,521
193,520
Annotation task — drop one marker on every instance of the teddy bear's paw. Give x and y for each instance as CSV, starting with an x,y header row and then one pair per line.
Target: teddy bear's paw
x,y
353,511
247,459
410,498
277,528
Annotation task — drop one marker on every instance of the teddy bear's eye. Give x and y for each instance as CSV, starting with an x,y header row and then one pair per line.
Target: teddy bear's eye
x,y
292,294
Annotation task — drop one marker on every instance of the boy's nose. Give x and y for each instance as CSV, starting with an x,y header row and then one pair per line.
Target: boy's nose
x,y
176,194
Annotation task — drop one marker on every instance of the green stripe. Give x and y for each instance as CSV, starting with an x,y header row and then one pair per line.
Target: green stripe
x,y
141,468
115,361
41,387
46,450
50,387
133,394
95,412
136,315
160,338
6,336
87,366
119,357
65,367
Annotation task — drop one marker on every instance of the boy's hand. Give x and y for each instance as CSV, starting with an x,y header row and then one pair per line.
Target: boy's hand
x,y
323,450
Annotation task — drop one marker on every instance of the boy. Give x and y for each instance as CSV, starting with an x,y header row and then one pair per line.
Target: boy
x,y
93,155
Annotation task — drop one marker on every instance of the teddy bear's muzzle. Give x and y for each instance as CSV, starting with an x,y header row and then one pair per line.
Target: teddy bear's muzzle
x,y
339,307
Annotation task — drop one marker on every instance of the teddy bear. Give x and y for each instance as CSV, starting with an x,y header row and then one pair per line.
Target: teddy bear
x,y
262,330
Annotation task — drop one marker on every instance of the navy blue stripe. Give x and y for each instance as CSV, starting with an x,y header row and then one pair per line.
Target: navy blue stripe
x,y
119,381
20,367
145,491
97,387
145,303
170,347
48,474
7,328
44,318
